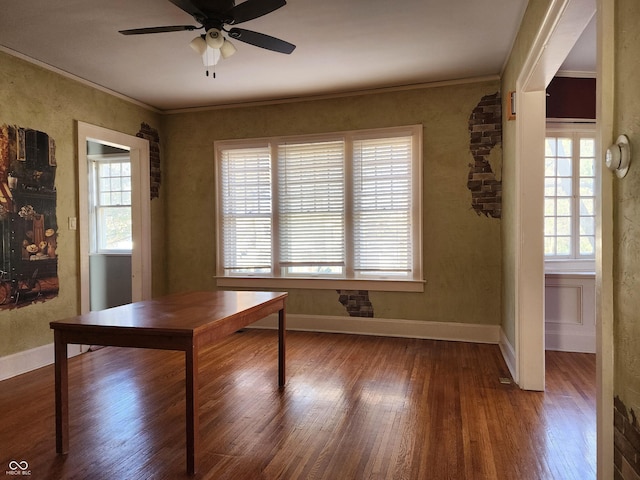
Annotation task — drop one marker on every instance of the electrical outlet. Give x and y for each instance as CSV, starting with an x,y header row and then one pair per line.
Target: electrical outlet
x,y
73,223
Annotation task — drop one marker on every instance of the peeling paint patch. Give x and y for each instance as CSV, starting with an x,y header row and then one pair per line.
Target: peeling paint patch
x,y
356,302
485,130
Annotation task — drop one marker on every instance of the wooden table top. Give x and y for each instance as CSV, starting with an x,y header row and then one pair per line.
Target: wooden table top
x,y
175,314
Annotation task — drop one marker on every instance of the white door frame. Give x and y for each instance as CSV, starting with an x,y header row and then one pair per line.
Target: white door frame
x,y
562,26
140,209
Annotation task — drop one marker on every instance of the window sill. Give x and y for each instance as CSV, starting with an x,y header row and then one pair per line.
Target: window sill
x,y
322,284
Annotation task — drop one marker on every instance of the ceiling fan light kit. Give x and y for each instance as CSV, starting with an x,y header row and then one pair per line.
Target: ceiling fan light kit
x,y
212,45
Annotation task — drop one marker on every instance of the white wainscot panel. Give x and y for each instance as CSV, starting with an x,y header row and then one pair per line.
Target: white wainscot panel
x,y
570,324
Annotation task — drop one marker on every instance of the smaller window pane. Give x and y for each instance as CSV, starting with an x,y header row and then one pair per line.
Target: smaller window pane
x,y
116,184
563,245
549,167
563,226
587,245
587,187
126,169
565,187
105,198
104,169
550,226
105,184
587,225
115,170
564,147
549,245
587,147
587,167
550,187
549,207
564,167
587,206
116,198
550,147
563,206
126,198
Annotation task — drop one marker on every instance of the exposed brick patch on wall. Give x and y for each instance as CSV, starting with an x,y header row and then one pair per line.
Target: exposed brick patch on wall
x,y
151,134
485,129
356,302
626,441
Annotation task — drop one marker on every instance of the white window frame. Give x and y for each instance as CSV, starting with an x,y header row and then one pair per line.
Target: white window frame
x,y
575,263
275,280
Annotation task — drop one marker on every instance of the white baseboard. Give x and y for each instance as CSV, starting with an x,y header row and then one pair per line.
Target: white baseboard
x,y
27,360
509,354
570,342
460,332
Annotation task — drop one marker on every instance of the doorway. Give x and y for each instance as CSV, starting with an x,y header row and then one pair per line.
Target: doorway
x,y
554,39
114,269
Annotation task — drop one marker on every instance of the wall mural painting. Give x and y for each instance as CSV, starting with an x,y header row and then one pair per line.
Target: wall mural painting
x,y
28,226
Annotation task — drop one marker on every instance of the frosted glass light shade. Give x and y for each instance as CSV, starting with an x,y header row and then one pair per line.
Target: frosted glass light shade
x,y
214,38
199,45
227,49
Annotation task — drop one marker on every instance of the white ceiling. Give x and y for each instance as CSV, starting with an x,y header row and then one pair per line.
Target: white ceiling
x,y
342,46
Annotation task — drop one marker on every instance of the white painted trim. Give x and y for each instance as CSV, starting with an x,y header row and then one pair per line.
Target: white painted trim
x,y
508,353
321,284
575,74
605,100
329,96
27,360
563,24
141,209
459,332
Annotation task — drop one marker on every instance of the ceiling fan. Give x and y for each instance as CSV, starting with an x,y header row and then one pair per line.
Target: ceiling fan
x,y
214,16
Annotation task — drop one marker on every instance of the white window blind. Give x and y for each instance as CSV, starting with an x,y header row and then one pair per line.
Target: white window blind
x,y
382,206
311,205
246,225
334,206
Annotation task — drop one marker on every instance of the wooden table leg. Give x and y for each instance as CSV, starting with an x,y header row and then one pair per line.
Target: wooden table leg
x,y
282,323
62,394
193,417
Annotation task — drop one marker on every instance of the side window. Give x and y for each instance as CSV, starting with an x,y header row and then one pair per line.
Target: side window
x,y
570,198
111,205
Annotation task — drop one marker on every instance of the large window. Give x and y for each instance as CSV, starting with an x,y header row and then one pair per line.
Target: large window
x,y
569,208
338,207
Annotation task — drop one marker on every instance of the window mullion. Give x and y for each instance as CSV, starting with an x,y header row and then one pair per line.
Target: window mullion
x,y
276,269
575,206
349,234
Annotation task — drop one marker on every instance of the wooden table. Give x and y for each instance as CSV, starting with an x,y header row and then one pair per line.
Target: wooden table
x,y
183,321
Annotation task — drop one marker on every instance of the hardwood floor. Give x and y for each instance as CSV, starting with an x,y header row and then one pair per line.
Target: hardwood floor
x,y
354,407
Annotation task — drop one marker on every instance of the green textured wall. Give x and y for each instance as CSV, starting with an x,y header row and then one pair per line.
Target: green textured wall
x,y
627,208
531,22
462,252
36,98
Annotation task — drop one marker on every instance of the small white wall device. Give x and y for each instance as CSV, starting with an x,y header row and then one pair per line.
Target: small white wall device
x,y
618,156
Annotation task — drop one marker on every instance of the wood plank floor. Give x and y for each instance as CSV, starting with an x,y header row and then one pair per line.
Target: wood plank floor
x,y
354,407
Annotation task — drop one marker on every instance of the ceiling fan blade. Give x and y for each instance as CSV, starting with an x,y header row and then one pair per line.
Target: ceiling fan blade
x,y
170,28
253,9
191,9
261,40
